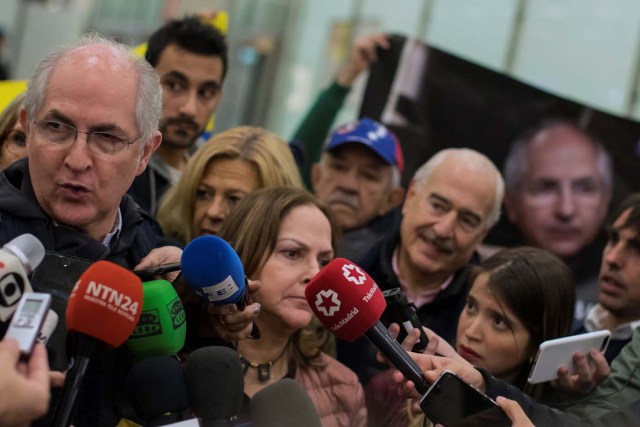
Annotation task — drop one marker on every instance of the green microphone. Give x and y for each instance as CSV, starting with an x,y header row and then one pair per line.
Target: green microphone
x,y
162,327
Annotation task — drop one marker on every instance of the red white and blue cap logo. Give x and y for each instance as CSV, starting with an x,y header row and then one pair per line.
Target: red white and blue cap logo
x,y
372,134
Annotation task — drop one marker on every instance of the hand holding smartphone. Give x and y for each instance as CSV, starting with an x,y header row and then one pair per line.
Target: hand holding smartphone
x,y
150,273
451,401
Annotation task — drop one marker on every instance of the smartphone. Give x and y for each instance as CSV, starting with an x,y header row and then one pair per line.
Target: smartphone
x,y
451,401
150,273
27,321
558,353
400,311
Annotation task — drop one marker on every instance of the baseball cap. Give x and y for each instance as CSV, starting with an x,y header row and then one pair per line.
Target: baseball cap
x,y
372,134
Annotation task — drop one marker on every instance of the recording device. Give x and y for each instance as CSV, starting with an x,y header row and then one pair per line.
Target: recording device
x,y
451,401
157,388
150,273
18,258
557,353
162,328
400,311
28,320
104,308
283,403
215,380
349,303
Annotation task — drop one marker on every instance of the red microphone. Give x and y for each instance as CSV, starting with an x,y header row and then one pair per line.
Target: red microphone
x,y
104,307
349,303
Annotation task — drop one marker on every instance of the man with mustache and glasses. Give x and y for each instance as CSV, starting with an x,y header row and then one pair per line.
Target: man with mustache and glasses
x,y
358,177
190,57
452,202
618,308
558,188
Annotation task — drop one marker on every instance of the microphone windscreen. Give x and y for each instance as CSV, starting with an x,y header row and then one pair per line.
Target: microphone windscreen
x,y
213,270
18,258
157,386
215,380
105,303
162,328
345,299
283,403
28,249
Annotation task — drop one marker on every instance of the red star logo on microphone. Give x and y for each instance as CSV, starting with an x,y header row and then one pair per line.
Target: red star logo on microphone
x,y
353,274
327,302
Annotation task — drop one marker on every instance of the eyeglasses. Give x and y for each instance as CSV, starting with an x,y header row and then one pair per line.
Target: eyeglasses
x,y
100,142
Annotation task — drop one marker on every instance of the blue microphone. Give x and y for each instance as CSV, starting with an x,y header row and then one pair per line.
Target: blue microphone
x,y
213,270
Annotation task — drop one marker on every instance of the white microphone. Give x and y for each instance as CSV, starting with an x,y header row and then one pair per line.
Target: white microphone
x,y
18,259
48,327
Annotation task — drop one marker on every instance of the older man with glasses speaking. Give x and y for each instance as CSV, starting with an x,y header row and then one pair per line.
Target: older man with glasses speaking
x,y
91,118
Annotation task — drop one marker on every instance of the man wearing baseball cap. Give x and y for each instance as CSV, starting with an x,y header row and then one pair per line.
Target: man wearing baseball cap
x,y
358,177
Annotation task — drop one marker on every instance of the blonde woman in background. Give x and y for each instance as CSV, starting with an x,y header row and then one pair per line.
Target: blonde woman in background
x,y
223,171
13,140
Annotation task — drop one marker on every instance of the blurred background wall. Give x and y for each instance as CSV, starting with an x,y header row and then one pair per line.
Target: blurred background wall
x,y
282,52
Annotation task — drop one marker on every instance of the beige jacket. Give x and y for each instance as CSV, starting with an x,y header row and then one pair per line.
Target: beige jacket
x,y
336,393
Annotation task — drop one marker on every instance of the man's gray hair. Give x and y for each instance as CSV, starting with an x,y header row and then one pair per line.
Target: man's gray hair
x,y
475,160
517,161
149,96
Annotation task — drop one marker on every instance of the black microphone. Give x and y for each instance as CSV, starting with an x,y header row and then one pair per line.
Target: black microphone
x,y
215,380
157,388
284,403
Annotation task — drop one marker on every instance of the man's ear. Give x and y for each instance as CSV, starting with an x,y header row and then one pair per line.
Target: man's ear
x,y
394,199
22,118
149,148
411,191
510,207
316,175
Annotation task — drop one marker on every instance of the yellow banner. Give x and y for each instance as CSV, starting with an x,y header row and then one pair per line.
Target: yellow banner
x,y
9,89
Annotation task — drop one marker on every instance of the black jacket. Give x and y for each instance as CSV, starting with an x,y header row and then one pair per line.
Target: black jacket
x,y
148,188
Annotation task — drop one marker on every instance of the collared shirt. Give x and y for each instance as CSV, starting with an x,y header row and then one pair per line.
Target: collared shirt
x,y
422,298
593,322
115,231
